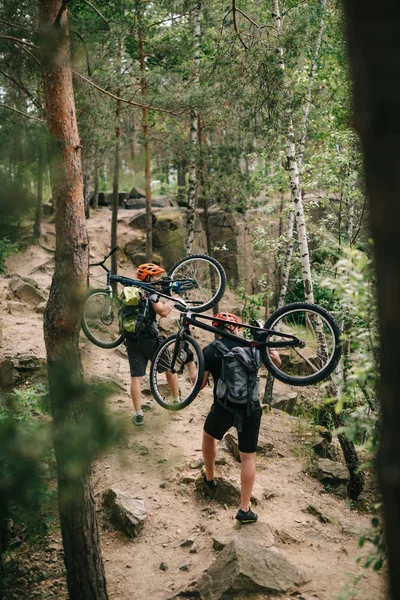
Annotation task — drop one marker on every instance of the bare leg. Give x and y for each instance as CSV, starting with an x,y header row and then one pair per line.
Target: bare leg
x,y
192,371
136,392
172,380
209,448
247,477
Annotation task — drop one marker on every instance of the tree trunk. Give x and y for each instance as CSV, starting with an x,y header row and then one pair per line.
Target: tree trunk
x,y
181,181
193,189
96,186
37,227
114,215
85,572
87,181
146,141
374,49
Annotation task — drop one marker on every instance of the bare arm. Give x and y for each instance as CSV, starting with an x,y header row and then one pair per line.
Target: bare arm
x,y
205,379
162,308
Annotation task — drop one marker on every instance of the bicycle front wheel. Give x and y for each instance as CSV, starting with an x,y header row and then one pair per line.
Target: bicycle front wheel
x,y
320,333
176,388
208,277
100,319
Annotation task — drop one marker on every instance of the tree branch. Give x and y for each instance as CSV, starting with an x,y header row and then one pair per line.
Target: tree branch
x,y
22,87
60,12
98,12
16,25
85,49
22,113
235,25
18,41
97,87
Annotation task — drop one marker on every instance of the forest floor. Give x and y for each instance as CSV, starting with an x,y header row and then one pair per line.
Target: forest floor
x,y
152,460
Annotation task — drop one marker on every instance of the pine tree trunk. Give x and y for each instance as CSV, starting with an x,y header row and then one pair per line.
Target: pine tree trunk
x,y
96,186
87,181
37,227
193,188
146,140
85,572
374,49
114,215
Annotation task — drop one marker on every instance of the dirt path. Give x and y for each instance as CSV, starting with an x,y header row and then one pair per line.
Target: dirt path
x,y
153,460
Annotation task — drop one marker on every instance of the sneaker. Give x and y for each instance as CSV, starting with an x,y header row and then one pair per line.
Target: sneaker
x,y
245,517
211,484
138,420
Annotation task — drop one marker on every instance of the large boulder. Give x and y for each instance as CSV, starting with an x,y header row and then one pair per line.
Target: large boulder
x,y
249,564
168,233
28,293
137,193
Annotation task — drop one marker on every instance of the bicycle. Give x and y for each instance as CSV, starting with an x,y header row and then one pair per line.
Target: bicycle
x,y
199,279
307,335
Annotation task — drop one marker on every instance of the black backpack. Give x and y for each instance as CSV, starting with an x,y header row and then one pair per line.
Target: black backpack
x,y
237,387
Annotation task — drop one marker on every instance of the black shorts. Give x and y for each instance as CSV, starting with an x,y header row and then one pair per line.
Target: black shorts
x,y
219,420
141,351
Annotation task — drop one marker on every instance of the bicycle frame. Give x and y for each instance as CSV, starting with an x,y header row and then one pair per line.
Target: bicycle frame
x,y
188,318
180,284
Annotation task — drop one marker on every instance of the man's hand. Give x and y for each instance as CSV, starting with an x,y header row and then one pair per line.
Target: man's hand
x,y
274,356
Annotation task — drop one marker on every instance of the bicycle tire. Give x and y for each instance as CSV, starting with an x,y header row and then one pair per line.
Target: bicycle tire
x,y
331,345
109,330
188,269
158,380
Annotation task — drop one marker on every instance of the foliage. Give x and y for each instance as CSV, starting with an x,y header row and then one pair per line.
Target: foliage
x,y
6,249
25,456
375,555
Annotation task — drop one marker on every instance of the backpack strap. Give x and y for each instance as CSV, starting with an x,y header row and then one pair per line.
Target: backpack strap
x,y
220,346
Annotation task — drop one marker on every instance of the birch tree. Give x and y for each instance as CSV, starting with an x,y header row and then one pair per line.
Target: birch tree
x,y
85,571
193,188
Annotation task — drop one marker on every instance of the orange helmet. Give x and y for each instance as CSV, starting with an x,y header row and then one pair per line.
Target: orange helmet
x,y
226,317
148,270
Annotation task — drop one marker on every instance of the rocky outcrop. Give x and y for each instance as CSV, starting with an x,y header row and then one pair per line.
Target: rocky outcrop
x,y
232,236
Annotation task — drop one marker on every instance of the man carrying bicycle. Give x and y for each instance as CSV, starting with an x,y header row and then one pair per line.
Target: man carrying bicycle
x,y
221,418
142,348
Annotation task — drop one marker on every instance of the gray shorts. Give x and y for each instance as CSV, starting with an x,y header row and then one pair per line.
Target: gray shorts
x,y
141,351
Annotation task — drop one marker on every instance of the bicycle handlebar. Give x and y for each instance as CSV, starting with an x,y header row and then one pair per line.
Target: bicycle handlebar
x,y
101,263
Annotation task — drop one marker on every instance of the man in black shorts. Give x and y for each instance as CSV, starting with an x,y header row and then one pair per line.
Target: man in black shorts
x,y
220,419
141,350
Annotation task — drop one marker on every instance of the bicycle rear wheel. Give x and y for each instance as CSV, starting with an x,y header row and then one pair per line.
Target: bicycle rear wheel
x,y
320,333
209,281
100,319
187,378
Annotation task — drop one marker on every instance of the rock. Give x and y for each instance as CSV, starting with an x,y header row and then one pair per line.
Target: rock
x,y
188,542
16,280
324,449
261,531
331,472
26,291
226,492
163,566
185,566
8,374
47,208
265,448
231,441
285,537
28,361
16,308
284,401
249,564
317,512
136,193
196,463
128,514
41,308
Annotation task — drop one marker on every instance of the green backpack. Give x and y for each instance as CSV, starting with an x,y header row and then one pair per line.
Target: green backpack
x,y
134,318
